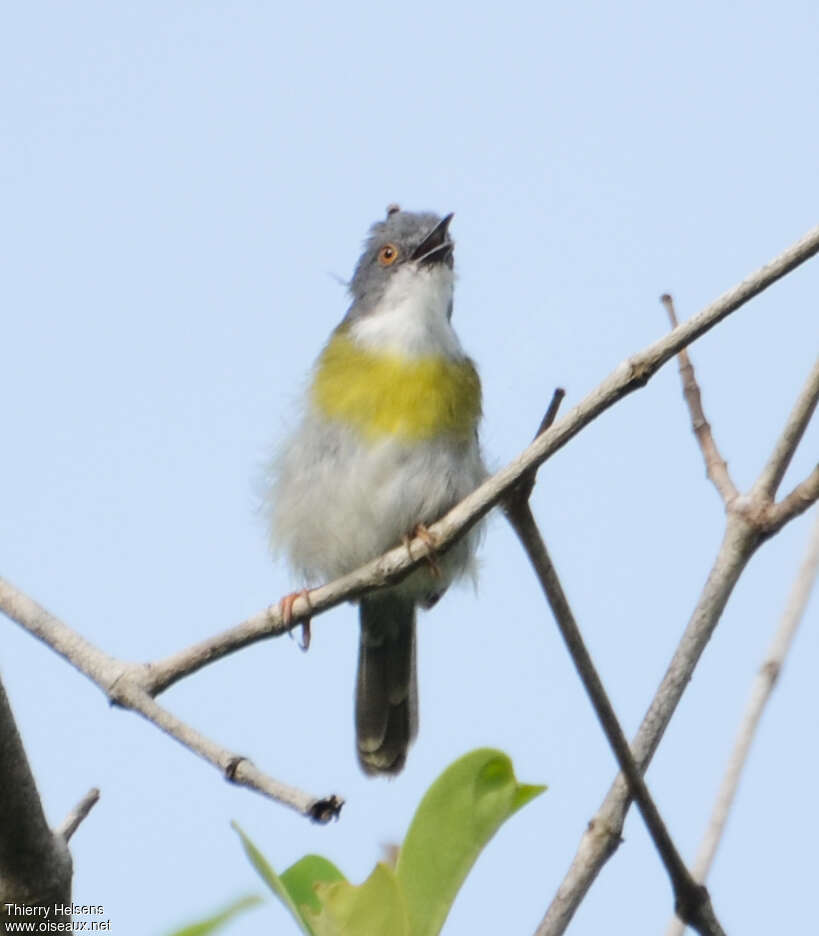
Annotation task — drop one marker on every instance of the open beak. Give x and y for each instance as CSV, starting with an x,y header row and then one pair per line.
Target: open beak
x,y
436,247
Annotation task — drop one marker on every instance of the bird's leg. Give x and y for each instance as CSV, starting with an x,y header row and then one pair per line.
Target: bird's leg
x,y
286,605
420,530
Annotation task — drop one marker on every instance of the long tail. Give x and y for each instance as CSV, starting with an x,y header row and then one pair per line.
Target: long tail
x,y
386,695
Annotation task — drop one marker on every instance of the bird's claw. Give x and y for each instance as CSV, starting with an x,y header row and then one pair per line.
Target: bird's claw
x,y
422,533
286,605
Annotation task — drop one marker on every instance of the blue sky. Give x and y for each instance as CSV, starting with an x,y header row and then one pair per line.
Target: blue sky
x,y
183,187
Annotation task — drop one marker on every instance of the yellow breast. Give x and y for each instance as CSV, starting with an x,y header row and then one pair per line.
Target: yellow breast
x,y
384,394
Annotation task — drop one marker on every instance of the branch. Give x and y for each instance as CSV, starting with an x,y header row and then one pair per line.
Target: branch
x,y
121,682
800,416
715,465
77,815
748,524
35,864
760,694
630,375
803,495
797,502
691,899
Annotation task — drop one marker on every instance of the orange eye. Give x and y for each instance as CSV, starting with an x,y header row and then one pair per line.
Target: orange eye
x,y
388,255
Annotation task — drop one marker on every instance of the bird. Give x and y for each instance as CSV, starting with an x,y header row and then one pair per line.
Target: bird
x,y
386,444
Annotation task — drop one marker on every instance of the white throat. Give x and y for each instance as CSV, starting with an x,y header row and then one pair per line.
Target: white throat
x,y
412,318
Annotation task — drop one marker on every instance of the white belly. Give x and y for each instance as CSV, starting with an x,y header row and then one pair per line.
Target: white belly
x,y
337,503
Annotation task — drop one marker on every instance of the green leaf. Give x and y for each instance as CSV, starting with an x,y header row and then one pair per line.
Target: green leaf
x,y
296,888
377,906
218,920
459,814
300,880
273,881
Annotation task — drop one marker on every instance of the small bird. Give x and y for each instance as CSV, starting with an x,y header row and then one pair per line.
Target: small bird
x,y
386,445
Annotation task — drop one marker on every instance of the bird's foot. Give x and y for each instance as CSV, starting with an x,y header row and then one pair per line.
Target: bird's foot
x,y
286,605
422,533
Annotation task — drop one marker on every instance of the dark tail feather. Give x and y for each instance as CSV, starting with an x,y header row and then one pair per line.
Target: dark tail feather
x,y
386,695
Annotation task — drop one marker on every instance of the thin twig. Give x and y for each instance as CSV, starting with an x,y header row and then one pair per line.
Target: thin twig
x,y
801,497
72,821
761,692
750,520
715,465
121,683
691,899
773,472
551,411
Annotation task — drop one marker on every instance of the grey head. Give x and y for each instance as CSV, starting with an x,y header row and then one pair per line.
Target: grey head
x,y
403,237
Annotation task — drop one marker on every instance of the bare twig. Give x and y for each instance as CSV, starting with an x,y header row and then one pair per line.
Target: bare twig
x,y
801,497
121,682
763,492
691,899
763,687
72,821
551,411
769,480
715,466
750,519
